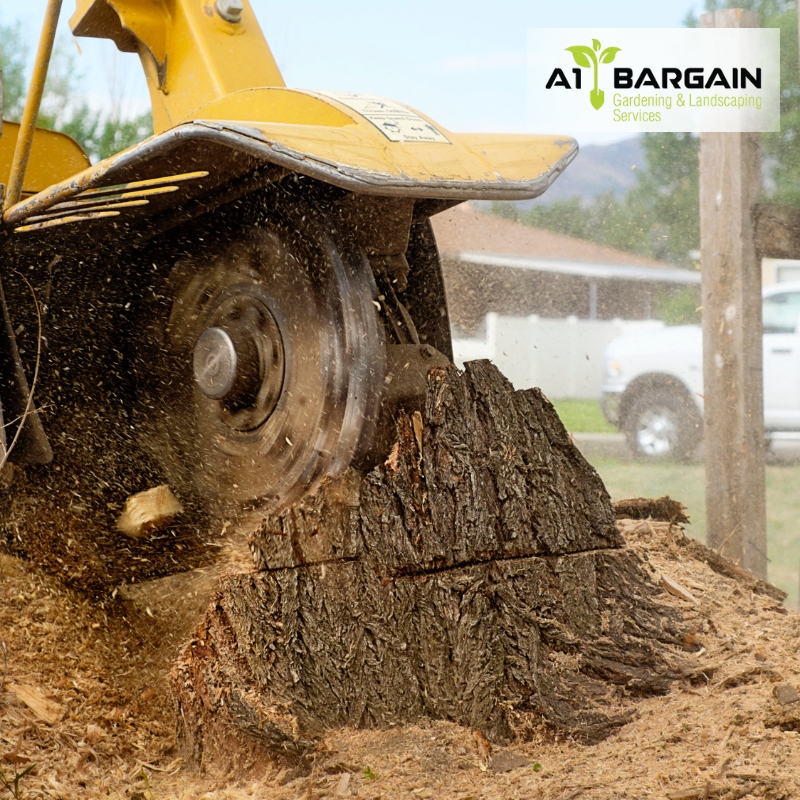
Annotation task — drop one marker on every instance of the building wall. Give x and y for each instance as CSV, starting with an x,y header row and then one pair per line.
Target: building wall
x,y
776,270
474,290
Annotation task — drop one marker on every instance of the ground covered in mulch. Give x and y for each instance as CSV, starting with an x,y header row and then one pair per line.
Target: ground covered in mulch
x,y
85,703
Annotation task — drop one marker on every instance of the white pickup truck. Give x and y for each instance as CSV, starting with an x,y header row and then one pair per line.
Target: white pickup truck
x,y
653,384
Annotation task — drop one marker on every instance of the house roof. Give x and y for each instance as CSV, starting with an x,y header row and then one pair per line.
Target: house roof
x,y
494,264
607,272
464,229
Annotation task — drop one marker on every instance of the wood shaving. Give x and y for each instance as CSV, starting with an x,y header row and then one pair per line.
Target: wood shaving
x,y
720,731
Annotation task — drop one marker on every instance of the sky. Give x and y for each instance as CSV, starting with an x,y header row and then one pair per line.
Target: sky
x,y
462,62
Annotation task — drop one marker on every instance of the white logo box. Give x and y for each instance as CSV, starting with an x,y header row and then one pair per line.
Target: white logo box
x,y
628,109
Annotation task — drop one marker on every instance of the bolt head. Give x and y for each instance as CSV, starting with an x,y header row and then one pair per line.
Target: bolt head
x,y
230,10
215,363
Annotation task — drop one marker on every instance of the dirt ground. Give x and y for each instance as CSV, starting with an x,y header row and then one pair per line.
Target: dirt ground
x,y
85,702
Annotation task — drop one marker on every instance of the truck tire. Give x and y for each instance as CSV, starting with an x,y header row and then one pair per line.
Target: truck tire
x,y
662,425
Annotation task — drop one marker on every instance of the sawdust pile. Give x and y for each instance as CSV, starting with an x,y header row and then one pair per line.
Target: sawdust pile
x,y
85,701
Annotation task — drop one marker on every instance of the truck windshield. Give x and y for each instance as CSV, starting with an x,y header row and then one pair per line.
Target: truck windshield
x,y
781,312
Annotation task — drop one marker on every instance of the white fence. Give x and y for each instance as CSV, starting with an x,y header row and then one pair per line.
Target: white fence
x,y
564,357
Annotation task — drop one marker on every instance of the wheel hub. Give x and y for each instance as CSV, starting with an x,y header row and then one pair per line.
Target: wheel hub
x,y
657,431
277,362
215,363
240,360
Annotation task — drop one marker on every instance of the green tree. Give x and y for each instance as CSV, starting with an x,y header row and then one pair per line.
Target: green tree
x,y
658,218
781,150
663,208
568,217
13,55
669,188
679,305
100,133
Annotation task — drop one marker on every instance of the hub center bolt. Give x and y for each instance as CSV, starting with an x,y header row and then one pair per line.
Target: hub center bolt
x,y
215,361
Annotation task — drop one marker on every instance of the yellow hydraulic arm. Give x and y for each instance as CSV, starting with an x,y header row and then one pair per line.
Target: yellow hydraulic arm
x,y
25,140
250,279
192,51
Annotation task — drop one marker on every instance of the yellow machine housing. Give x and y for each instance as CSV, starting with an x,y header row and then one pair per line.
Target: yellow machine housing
x,y
216,81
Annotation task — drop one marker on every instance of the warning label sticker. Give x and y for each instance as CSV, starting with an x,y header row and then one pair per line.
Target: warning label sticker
x,y
396,122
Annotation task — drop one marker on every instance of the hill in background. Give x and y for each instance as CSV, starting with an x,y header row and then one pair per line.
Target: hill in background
x,y
596,170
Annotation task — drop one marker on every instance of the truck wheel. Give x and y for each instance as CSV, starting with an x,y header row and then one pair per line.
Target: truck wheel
x,y
662,425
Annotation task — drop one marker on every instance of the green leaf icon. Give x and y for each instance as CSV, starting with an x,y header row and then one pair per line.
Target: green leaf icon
x,y
607,56
584,56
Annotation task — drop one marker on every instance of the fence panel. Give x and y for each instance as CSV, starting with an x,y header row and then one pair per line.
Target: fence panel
x,y
564,357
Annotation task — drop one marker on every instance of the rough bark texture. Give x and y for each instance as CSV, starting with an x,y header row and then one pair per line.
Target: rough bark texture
x,y
476,576
776,230
662,509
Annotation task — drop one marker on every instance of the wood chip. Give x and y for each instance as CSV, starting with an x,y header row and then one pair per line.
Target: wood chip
x,y
394,458
343,787
416,421
663,509
94,733
754,777
14,757
483,744
786,719
750,675
46,710
698,792
149,511
674,588
576,792
171,768
785,694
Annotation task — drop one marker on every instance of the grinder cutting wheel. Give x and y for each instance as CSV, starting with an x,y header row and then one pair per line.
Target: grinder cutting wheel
x,y
281,357
235,307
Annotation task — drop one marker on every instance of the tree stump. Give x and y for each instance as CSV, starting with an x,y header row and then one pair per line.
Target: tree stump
x,y
476,576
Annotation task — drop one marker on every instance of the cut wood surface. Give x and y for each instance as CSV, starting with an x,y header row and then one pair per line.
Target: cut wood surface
x,y
146,512
44,709
477,576
676,590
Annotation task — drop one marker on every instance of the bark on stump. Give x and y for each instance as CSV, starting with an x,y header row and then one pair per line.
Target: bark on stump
x,y
477,576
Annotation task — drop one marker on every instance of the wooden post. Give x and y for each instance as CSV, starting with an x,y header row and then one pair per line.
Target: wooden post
x,y
730,184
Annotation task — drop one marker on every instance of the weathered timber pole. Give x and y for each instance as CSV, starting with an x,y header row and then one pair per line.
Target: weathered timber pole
x,y
730,184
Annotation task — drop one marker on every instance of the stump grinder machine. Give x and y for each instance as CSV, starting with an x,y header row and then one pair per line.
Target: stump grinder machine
x,y
233,308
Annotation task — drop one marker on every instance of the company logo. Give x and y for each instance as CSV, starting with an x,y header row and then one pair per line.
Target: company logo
x,y
588,58
663,79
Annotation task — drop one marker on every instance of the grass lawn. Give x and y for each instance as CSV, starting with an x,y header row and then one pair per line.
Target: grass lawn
x,y
686,482
582,416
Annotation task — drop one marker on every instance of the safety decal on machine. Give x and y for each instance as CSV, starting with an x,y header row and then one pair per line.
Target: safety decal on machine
x,y
396,122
